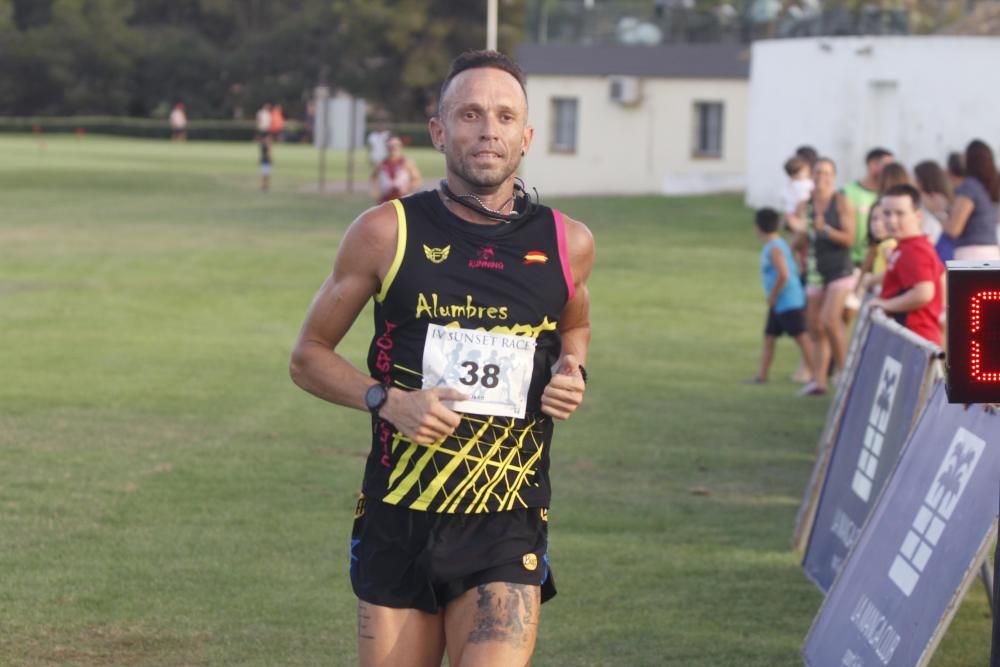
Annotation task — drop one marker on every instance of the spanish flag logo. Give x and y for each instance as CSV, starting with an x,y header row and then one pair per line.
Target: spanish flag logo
x,y
535,257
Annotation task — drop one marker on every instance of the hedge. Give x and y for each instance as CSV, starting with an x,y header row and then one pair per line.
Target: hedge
x,y
148,128
413,134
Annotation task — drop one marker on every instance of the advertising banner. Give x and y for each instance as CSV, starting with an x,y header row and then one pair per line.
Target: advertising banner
x,y
880,411
921,547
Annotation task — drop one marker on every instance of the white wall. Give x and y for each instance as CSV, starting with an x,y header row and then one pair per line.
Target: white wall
x,y
646,148
920,97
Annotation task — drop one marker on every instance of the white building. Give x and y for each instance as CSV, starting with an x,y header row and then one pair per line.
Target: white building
x,y
636,119
920,97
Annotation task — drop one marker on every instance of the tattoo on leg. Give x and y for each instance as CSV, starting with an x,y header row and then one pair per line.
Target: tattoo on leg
x,y
505,616
364,622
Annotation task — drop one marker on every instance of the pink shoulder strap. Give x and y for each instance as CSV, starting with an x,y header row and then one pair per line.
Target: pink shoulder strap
x,y
564,253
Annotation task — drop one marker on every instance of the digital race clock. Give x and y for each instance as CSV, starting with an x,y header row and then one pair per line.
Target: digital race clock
x,y
973,360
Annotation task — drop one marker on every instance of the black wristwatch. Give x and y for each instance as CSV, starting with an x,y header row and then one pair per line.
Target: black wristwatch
x,y
375,397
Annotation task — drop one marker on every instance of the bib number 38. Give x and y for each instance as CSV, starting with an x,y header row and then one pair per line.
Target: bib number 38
x,y
489,378
493,369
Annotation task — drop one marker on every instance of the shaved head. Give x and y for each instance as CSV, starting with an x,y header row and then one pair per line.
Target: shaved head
x,y
480,59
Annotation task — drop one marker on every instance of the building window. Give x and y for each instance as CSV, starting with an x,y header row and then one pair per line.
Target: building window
x,y
564,120
708,129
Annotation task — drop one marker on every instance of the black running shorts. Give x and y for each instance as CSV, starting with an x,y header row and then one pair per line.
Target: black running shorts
x,y
790,322
409,559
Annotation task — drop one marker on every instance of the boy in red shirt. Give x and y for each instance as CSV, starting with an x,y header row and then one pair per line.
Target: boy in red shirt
x,y
911,291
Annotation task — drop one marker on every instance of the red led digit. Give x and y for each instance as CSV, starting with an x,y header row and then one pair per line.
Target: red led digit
x,y
983,305
972,371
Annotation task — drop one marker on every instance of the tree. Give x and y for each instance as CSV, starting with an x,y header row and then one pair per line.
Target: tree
x,y
225,57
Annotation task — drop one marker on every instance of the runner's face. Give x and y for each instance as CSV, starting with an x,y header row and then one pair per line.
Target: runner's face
x,y
484,127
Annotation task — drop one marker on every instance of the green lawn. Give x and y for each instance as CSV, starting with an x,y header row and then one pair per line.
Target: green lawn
x,y
168,497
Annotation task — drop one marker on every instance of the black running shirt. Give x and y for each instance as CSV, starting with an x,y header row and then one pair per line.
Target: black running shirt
x,y
511,278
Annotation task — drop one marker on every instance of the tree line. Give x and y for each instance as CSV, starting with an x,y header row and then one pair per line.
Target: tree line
x,y
224,58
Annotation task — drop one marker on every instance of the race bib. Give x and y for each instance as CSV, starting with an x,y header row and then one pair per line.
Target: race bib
x,y
493,369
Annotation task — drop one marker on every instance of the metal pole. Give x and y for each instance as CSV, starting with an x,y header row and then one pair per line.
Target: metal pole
x,y
350,145
320,122
491,25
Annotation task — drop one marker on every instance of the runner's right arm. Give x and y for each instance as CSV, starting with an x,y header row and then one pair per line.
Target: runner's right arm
x,y
363,259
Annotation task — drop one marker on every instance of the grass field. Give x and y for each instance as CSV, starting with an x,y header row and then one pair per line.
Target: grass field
x,y
168,497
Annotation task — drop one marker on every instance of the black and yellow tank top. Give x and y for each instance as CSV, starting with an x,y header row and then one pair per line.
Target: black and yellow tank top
x,y
511,278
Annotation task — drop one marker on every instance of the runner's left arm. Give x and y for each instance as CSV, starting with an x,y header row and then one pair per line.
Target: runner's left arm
x,y
564,393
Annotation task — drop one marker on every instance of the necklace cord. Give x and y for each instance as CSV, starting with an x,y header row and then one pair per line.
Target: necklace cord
x,y
476,204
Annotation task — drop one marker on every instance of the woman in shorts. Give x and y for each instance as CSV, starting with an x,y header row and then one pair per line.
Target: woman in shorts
x,y
830,279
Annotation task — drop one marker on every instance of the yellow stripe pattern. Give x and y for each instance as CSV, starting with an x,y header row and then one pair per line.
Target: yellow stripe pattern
x,y
397,260
481,468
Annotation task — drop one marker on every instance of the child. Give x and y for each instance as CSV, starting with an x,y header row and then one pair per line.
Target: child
x,y
786,299
795,199
880,247
912,289
797,192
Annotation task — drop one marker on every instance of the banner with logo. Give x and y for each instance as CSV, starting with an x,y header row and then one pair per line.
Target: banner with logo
x,y
880,410
919,552
807,508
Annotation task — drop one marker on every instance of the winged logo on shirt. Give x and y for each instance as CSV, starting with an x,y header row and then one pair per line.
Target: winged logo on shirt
x,y
437,255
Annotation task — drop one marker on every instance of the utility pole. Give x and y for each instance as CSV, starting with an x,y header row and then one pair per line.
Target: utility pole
x,y
491,25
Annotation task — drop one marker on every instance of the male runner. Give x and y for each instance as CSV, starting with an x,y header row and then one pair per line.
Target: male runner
x,y
481,333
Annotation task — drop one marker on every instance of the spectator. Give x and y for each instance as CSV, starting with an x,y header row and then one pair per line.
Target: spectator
x,y
265,163
880,248
862,194
956,174
912,290
936,195
881,239
797,191
892,174
973,219
785,297
830,279
178,123
809,154
378,148
277,128
956,169
396,176
263,122
796,222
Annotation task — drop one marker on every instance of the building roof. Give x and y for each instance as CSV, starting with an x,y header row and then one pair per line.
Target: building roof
x,y
677,61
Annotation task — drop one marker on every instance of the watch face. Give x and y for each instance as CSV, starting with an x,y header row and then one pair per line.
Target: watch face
x,y
375,397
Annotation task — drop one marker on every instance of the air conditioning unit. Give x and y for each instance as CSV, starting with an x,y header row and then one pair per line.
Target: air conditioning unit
x,y
624,90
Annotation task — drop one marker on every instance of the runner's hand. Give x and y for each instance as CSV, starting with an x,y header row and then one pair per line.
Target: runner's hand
x,y
564,392
421,415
